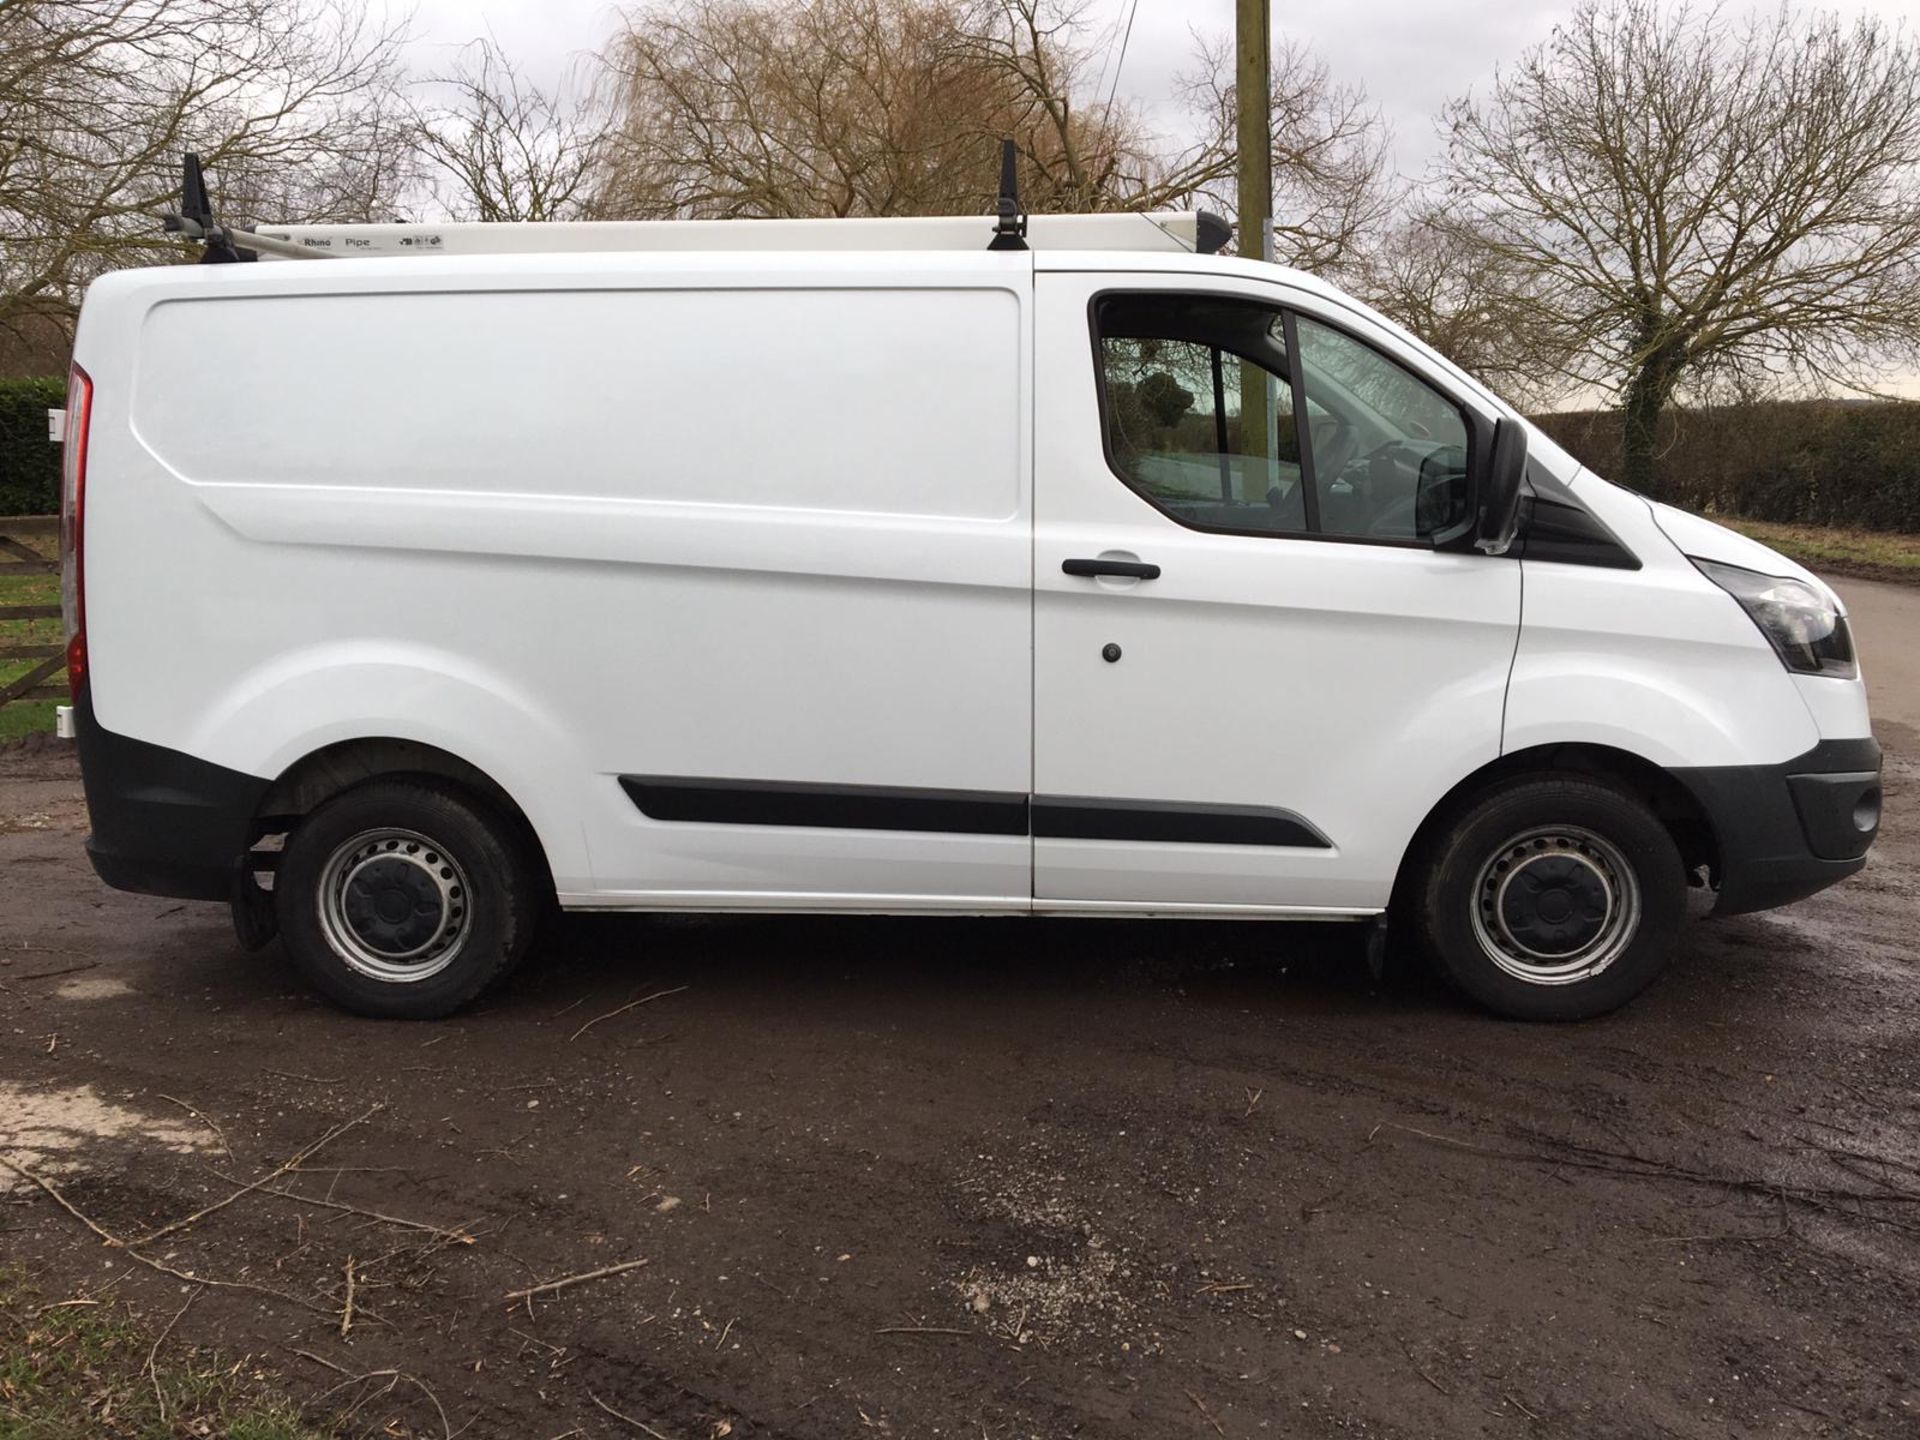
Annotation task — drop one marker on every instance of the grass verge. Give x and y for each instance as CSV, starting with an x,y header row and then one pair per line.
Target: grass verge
x,y
73,1371
1865,554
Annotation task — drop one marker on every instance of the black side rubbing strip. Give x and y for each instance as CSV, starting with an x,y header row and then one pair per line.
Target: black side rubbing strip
x,y
1069,817
833,807
963,812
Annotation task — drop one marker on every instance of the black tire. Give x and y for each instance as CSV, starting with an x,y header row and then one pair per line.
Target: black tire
x,y
406,861
1551,897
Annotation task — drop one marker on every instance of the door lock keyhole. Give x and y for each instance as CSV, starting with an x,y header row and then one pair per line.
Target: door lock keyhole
x,y
1110,653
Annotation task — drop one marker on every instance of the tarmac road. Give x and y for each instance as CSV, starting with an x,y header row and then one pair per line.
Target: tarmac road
x,y
1003,1178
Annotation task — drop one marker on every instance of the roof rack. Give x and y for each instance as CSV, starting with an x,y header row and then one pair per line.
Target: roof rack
x,y
1009,228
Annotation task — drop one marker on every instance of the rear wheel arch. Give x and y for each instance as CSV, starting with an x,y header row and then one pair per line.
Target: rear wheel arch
x,y
334,769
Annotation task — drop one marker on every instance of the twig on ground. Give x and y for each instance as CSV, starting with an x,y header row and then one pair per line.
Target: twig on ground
x,y
639,1425
346,1308
1419,1370
52,1192
50,974
310,1079
456,1235
321,1360
153,1355
921,1330
1205,1413
549,1286
393,1378
1253,1100
218,1134
1518,1406
306,1153
621,1010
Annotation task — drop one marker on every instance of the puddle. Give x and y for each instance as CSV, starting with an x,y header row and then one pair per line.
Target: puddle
x,y
49,1130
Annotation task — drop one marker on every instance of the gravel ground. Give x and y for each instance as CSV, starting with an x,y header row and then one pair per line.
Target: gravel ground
x,y
995,1178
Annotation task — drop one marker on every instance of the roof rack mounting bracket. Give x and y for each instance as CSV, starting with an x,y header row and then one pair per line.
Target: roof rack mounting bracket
x,y
195,218
195,221
1010,221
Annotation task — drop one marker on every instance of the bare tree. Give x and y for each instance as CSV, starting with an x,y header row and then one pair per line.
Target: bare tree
x,y
290,101
1468,300
897,107
1329,154
502,148
1685,197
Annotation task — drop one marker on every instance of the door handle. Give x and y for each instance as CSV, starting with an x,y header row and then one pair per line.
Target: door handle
x,y
1131,569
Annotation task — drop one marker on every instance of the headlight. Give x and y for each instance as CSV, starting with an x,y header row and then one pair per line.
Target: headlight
x,y
1810,636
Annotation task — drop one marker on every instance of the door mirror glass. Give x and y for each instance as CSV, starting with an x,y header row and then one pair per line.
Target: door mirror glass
x,y
1500,482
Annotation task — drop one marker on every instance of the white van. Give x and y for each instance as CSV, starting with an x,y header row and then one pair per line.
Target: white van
x,y
861,567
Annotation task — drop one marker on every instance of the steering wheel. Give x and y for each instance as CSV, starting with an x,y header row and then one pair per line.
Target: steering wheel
x,y
1400,518
1334,442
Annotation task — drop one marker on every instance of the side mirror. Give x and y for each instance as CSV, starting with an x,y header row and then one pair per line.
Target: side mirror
x,y
1499,489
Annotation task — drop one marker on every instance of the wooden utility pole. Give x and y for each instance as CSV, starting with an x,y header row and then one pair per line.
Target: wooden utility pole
x,y
1253,99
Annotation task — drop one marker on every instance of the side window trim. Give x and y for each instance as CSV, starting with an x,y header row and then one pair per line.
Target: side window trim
x,y
1479,427
1297,382
1219,426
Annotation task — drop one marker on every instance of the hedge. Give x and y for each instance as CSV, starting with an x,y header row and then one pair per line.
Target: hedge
x,y
1810,462
1852,464
29,466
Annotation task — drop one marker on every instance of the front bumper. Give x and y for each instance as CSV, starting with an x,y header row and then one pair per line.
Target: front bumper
x,y
164,823
1786,831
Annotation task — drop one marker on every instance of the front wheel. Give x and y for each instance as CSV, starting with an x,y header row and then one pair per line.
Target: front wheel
x,y
1553,898
403,900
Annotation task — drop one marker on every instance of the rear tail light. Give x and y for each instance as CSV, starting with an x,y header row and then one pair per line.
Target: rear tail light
x,y
73,499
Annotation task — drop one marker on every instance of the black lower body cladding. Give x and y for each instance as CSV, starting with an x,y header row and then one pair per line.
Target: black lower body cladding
x,y
164,823
1789,830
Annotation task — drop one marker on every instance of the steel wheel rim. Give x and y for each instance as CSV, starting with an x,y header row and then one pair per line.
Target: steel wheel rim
x,y
394,905
1519,916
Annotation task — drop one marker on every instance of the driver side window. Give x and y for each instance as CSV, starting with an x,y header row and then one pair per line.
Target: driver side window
x,y
1389,451
1201,398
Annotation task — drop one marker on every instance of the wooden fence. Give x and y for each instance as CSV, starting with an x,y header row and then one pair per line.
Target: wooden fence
x,y
42,680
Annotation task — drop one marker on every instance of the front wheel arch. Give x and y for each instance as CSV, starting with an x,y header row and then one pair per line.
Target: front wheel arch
x,y
1675,806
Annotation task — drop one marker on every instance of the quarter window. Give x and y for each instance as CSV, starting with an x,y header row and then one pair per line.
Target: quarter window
x,y
1199,411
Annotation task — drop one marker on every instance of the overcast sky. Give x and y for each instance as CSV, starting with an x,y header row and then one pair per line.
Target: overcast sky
x,y
1410,56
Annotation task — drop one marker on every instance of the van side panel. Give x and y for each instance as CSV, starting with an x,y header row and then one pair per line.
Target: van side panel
x,y
688,517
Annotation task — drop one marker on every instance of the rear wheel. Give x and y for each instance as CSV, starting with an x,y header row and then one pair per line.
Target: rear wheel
x,y
1553,898
404,900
